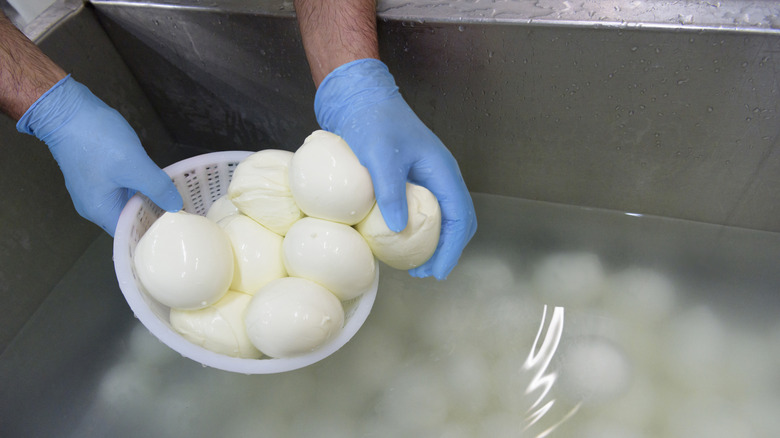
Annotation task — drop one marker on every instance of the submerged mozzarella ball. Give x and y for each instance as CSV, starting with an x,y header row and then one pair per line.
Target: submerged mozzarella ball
x,y
643,293
293,316
219,327
257,251
594,370
331,254
569,278
221,208
417,242
184,261
328,182
260,189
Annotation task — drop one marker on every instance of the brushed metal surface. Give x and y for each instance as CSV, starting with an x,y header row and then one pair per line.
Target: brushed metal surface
x,y
218,80
679,121
41,235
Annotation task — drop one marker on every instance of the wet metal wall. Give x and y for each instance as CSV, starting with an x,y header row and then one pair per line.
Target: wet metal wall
x,y
657,108
41,235
661,109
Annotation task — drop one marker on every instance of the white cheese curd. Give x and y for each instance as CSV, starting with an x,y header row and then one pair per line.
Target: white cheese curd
x,y
417,242
292,316
260,189
331,254
636,407
467,366
221,208
594,370
219,327
706,415
184,261
696,342
644,294
415,398
501,424
328,182
257,251
609,429
569,278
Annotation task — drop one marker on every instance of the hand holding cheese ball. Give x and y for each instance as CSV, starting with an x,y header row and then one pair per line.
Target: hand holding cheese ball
x,y
357,99
413,246
328,260
328,182
360,102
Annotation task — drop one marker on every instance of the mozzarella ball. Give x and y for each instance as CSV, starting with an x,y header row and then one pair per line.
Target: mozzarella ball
x,y
328,182
569,278
257,251
647,295
219,327
331,254
594,370
292,316
184,261
260,189
417,242
221,208
696,340
415,398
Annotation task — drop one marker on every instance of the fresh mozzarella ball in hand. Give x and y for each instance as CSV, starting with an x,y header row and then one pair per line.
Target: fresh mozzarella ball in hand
x,y
417,242
293,316
184,261
331,254
219,327
258,253
221,208
328,182
260,189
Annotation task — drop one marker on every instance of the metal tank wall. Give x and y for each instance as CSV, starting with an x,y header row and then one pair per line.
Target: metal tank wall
x,y
663,109
41,235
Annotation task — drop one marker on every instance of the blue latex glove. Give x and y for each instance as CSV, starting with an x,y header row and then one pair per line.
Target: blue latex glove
x,y
98,152
360,102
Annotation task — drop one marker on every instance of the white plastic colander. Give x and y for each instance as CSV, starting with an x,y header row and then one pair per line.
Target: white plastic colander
x,y
201,180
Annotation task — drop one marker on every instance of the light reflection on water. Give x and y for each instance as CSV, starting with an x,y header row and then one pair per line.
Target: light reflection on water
x,y
669,331
543,379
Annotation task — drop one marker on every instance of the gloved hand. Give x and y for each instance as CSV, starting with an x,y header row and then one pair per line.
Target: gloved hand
x,y
360,102
98,152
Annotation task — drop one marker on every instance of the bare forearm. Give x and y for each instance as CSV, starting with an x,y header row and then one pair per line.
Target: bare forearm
x,y
25,72
336,32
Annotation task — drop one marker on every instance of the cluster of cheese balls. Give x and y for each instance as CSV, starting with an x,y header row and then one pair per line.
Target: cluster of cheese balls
x,y
267,271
